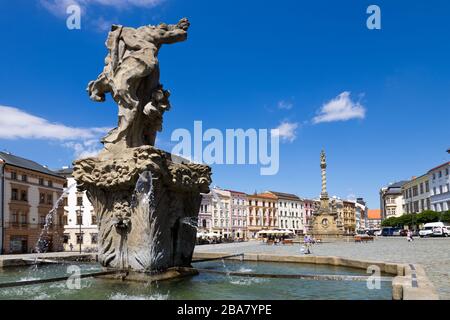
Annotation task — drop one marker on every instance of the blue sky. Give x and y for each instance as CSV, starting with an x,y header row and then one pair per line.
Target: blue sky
x,y
247,64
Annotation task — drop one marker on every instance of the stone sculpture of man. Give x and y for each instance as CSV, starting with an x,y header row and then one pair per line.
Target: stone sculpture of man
x,y
131,75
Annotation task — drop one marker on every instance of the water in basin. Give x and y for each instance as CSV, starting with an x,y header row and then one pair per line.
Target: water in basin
x,y
203,286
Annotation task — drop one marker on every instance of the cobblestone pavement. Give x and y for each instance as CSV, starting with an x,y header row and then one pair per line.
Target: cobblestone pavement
x,y
433,254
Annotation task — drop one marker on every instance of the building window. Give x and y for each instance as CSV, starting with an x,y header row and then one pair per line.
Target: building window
x,y
50,183
14,175
79,238
79,219
42,220
79,200
427,186
14,194
23,195
24,178
41,198
41,181
23,218
64,219
66,238
49,198
94,219
15,217
94,238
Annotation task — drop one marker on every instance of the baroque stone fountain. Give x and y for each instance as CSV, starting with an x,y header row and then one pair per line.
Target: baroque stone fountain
x,y
143,236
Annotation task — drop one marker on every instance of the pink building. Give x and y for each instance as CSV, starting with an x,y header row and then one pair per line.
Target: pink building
x,y
239,212
308,210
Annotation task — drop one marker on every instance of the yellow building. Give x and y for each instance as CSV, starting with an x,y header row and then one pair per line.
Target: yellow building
x,y
349,217
262,213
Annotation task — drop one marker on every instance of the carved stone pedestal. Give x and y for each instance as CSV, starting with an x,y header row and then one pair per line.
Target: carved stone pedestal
x,y
143,235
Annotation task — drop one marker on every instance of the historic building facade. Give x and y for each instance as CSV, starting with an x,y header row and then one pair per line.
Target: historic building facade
x,y
289,211
221,212
416,195
349,217
262,213
206,213
29,192
440,187
374,218
239,212
308,208
360,214
80,220
391,200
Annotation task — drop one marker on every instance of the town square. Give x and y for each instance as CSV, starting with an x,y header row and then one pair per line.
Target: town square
x,y
196,150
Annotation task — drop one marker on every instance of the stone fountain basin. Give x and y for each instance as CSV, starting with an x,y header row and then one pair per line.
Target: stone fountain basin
x,y
221,277
218,280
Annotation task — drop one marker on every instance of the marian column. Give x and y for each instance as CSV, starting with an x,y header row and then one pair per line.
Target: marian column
x,y
325,218
323,166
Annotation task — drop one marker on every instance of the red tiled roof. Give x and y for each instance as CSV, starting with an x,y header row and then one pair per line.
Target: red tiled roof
x,y
374,214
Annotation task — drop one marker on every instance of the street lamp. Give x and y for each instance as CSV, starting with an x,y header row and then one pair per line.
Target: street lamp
x,y
80,216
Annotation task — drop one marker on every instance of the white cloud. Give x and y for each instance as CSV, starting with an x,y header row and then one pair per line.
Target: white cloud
x,y
84,149
286,105
286,131
59,7
341,108
18,124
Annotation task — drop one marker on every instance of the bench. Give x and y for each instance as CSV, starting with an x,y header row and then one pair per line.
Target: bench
x,y
363,238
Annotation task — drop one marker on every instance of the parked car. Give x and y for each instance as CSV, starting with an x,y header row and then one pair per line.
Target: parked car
x,y
377,233
434,229
403,233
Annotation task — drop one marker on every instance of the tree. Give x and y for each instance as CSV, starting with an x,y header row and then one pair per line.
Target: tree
x,y
390,222
427,217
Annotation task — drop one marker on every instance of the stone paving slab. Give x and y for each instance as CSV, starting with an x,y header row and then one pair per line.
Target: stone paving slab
x,y
10,260
433,254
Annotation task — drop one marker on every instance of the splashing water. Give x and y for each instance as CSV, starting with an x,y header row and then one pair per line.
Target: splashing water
x,y
144,204
42,243
191,221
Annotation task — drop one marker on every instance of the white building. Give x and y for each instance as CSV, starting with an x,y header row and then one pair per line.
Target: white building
x,y
239,212
391,200
361,214
221,212
80,220
290,212
440,187
205,213
416,195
